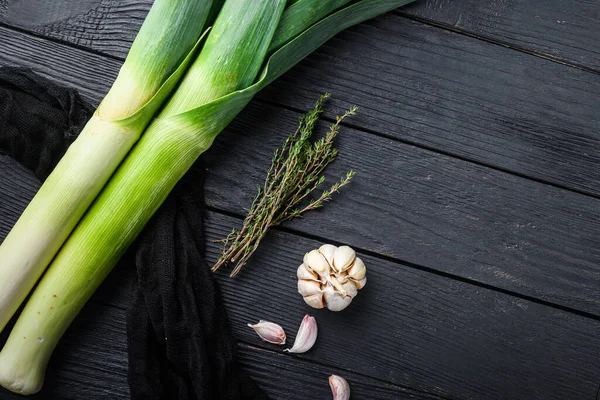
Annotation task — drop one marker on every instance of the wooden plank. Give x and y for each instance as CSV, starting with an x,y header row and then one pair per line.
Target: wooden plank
x,y
425,86
291,378
432,210
408,327
564,30
90,74
421,330
460,96
106,26
91,361
429,209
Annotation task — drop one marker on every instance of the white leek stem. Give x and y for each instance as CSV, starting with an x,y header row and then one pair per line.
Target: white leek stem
x,y
166,150
57,207
151,70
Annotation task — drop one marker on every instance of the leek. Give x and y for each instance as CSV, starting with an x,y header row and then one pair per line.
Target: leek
x,y
299,15
157,60
214,90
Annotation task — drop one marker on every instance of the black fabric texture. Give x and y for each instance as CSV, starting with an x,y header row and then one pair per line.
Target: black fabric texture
x,y
180,343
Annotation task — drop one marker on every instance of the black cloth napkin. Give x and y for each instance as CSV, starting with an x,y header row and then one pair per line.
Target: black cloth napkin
x,y
180,344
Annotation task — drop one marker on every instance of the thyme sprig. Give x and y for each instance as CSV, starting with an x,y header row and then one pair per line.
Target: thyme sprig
x,y
295,173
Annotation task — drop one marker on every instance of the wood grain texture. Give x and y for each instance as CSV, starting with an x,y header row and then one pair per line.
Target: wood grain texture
x,y
421,330
427,331
91,360
91,363
90,74
430,209
291,378
425,86
564,30
107,26
460,96
408,327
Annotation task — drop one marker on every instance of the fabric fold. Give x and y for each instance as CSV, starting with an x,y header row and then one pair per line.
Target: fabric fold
x,y
180,343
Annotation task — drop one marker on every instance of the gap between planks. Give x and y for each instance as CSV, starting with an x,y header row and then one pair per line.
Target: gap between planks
x,y
348,124
491,40
404,263
60,42
366,130
121,307
403,14
255,346
440,273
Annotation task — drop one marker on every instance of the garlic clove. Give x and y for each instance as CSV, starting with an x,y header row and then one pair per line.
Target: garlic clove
x,y
334,300
358,269
337,285
316,262
304,273
305,259
342,278
306,336
269,332
328,251
361,283
351,289
309,288
315,301
339,388
343,258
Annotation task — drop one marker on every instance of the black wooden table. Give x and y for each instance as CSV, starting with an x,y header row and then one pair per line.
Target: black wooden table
x,y
476,204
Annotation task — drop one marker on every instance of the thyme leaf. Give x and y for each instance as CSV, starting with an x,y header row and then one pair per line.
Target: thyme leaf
x,y
296,172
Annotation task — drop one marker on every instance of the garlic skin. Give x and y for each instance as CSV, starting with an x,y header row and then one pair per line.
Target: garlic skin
x,y
335,301
328,251
306,336
339,388
269,332
344,258
330,277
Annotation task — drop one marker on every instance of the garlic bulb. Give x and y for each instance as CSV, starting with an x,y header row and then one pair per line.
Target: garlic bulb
x,y
331,277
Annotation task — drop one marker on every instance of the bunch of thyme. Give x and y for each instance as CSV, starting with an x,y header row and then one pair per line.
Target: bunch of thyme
x,y
296,171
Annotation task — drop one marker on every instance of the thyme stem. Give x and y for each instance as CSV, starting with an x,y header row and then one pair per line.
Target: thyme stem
x,y
295,172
